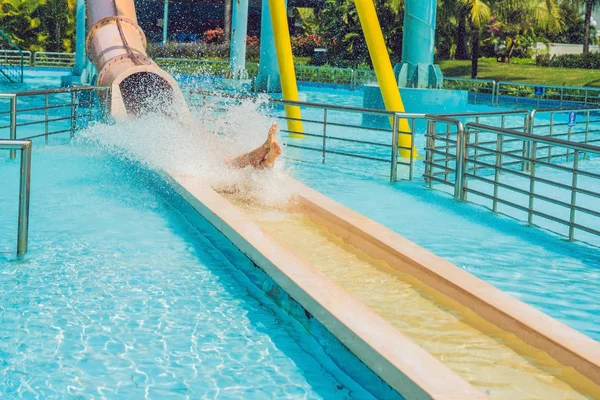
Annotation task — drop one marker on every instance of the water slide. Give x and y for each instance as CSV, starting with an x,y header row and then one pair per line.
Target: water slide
x,y
117,46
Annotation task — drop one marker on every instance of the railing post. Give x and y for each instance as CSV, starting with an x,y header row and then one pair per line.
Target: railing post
x,y
499,148
73,112
394,168
573,196
460,162
13,124
46,119
412,147
324,133
24,185
429,152
531,162
529,128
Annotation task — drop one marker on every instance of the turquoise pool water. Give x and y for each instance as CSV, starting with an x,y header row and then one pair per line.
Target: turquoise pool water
x,y
559,278
121,296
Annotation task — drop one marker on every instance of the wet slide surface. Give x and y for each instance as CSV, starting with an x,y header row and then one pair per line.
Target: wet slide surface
x,y
494,361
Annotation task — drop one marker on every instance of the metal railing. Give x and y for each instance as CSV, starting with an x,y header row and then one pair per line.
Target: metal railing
x,y
43,113
546,96
543,180
480,90
13,57
53,59
24,146
12,71
328,130
578,125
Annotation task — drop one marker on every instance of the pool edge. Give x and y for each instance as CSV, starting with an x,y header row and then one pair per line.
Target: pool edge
x,y
406,367
563,343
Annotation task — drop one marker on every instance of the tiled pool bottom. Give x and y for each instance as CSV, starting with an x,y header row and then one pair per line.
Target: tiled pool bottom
x,y
559,278
121,296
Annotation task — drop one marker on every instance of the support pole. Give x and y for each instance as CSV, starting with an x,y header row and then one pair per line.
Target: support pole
x,y
418,44
237,49
383,69
79,38
285,60
165,33
24,190
267,79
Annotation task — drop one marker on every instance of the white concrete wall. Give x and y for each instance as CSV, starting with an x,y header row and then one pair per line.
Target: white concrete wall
x,y
557,49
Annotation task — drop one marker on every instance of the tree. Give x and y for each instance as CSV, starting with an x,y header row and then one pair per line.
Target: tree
x,y
589,7
227,20
519,22
19,20
479,15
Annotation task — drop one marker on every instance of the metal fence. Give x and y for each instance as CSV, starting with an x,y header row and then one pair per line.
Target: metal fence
x,y
13,62
480,90
545,181
546,96
43,113
332,134
13,57
53,59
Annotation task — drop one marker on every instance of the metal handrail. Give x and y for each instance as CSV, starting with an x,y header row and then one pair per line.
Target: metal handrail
x,y
18,49
395,118
24,189
53,59
513,153
46,120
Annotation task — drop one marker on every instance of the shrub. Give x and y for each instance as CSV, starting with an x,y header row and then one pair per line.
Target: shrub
x,y
188,50
543,60
586,61
200,50
305,45
214,36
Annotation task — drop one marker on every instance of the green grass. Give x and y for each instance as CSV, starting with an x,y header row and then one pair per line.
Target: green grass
x,y
490,69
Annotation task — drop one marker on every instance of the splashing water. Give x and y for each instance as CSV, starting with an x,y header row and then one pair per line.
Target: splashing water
x,y
201,147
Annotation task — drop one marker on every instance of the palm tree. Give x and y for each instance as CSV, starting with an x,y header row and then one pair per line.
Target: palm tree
x,y
589,7
524,15
227,21
479,15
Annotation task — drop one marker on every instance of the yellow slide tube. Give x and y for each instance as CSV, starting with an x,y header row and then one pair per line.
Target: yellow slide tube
x,y
383,69
285,60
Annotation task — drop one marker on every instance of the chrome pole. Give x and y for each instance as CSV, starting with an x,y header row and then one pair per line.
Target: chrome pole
x,y
531,162
573,196
13,124
324,133
46,120
24,186
394,170
461,149
430,148
73,113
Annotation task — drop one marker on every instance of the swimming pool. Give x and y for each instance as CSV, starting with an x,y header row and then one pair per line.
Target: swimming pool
x,y
121,296
524,262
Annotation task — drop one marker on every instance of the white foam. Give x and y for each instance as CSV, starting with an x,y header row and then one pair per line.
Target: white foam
x,y
201,147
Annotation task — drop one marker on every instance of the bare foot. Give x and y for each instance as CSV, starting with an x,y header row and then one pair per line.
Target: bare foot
x,y
272,155
262,157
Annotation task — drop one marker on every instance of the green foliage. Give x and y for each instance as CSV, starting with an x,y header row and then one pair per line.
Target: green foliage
x,y
339,26
200,50
39,25
587,61
574,26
